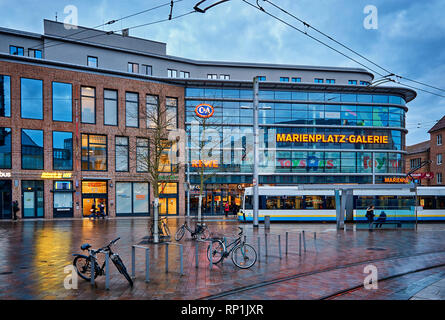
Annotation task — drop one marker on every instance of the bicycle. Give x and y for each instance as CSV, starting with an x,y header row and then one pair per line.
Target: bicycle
x,y
244,255
163,229
83,263
200,230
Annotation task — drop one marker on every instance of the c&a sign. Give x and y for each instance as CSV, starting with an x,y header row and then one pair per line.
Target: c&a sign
x,y
204,110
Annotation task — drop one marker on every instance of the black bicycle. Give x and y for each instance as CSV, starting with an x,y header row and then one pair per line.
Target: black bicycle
x,y
201,230
83,263
243,255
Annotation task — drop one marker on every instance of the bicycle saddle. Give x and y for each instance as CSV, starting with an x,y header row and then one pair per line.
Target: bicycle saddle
x,y
85,246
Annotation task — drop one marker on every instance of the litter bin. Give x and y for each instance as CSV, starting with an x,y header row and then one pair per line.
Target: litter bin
x,y
266,222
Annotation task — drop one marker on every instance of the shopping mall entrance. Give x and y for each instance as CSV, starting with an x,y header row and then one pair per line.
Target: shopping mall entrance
x,y
214,198
94,194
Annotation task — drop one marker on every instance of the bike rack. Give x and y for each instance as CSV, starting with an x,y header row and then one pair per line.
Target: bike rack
x,y
133,262
181,253
107,271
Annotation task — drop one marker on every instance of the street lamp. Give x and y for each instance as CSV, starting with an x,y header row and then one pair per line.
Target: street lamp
x,y
256,143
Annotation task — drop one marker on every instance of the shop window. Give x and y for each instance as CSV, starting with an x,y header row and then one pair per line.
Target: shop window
x,y
32,149
31,98
132,198
62,102
62,150
5,96
94,152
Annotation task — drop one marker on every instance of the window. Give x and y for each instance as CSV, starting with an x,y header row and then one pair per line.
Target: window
x,y
172,113
62,150
132,198
152,109
439,158
31,92
353,82
439,178
212,76
296,79
165,165
16,51
92,62
142,159
318,80
35,53
364,83
439,139
147,70
261,78
88,104
5,148
94,152
224,76
121,154
133,67
32,149
110,107
131,109
172,73
414,163
284,79
62,102
331,81
184,74
5,96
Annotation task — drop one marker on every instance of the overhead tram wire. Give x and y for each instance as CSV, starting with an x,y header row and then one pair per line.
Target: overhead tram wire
x,y
69,37
348,48
129,28
312,37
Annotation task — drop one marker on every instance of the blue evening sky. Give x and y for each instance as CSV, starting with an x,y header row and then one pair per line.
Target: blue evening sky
x,y
409,41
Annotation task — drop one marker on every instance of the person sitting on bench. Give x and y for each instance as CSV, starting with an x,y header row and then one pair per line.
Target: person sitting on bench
x,y
381,218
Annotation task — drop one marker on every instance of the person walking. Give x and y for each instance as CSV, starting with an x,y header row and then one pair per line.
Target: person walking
x,y
15,209
381,219
226,209
370,215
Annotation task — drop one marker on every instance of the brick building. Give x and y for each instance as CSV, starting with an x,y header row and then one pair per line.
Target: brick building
x,y
432,150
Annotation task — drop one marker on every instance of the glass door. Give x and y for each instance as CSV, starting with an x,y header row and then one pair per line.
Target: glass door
x,y
32,199
29,204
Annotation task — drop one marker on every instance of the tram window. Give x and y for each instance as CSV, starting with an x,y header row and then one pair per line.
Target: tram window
x,y
272,202
440,203
428,202
330,202
314,202
248,202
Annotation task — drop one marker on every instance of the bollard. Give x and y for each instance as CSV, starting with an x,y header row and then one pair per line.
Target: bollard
x,y
107,272
299,244
279,245
147,265
166,257
315,241
133,262
196,254
259,249
265,242
181,262
287,241
92,271
266,222
304,242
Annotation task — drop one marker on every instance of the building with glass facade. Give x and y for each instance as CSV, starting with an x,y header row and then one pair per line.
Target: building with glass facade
x,y
75,107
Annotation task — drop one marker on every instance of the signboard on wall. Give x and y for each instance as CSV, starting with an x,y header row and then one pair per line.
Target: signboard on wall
x,y
330,138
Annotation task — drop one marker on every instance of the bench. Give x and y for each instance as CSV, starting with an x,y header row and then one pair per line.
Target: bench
x,y
387,222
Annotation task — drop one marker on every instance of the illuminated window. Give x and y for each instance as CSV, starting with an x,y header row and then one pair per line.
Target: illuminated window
x,y
94,152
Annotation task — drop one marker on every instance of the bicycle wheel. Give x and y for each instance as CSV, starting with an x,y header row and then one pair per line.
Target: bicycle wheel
x,y
166,230
83,267
244,256
121,268
215,251
180,233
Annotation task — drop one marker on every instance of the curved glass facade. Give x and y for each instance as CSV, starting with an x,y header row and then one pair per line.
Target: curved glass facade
x,y
305,136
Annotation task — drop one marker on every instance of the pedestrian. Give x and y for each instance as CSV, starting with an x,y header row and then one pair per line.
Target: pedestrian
x,y
234,209
226,209
93,211
15,209
381,219
370,215
102,210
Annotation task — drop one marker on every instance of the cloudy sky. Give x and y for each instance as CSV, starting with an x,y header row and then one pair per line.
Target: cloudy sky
x,y
409,39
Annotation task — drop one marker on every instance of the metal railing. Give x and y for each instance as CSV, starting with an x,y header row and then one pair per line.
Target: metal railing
x,y
147,262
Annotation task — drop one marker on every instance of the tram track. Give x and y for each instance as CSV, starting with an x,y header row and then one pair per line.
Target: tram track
x,y
328,269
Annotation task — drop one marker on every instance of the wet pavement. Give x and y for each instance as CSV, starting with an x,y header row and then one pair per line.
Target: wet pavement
x,y
33,255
